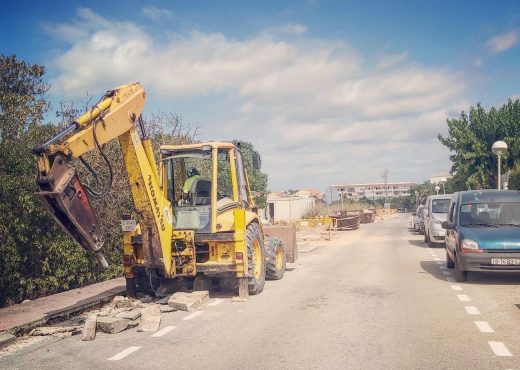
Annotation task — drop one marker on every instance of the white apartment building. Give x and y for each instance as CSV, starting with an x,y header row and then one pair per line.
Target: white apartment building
x,y
374,190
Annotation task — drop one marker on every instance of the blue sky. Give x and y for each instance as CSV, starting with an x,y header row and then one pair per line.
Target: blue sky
x,y
328,91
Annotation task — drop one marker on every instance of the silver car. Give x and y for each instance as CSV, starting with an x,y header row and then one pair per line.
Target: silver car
x,y
418,220
437,206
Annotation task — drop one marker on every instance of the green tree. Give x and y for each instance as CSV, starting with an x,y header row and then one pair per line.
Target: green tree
x,y
257,179
470,138
514,179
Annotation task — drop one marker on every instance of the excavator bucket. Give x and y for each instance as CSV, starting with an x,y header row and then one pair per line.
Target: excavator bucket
x,y
66,200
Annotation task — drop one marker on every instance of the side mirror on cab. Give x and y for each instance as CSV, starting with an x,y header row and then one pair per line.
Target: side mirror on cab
x,y
447,225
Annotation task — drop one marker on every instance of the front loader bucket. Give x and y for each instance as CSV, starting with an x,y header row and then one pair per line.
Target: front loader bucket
x,y
63,195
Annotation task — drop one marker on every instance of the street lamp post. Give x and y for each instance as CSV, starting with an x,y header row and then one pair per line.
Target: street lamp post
x,y
499,148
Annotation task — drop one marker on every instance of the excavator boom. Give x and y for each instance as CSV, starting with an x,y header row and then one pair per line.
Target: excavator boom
x,y
59,187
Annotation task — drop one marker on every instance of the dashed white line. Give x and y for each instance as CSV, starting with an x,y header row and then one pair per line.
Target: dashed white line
x,y
472,310
124,353
439,262
444,272
500,349
215,302
161,332
443,267
484,327
193,315
437,259
456,287
463,298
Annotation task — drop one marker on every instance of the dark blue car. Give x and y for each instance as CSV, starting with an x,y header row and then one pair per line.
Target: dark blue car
x,y
483,232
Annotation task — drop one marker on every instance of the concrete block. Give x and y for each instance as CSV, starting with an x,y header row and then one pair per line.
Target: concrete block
x,y
129,315
288,236
201,295
150,318
6,339
89,329
185,303
111,325
121,302
165,308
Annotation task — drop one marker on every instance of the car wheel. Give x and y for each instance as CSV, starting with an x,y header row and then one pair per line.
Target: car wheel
x,y
460,275
449,262
430,243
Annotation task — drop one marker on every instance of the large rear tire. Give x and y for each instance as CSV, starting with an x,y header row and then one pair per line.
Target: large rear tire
x,y
276,259
255,259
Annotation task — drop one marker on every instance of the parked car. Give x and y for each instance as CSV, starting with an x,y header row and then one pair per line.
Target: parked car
x,y
418,220
483,232
437,206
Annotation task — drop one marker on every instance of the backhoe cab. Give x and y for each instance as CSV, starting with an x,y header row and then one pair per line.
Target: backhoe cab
x,y
196,218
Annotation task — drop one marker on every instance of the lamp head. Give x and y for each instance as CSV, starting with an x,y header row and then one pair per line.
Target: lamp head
x,y
499,147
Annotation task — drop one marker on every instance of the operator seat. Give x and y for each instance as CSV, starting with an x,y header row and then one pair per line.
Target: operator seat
x,y
200,193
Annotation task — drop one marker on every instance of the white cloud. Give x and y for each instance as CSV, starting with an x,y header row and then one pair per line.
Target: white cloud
x,y
503,41
155,13
316,110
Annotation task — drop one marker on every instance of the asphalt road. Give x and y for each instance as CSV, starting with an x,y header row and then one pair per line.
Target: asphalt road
x,y
370,299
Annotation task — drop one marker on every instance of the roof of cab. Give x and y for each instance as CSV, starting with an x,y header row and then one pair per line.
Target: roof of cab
x,y
211,144
489,195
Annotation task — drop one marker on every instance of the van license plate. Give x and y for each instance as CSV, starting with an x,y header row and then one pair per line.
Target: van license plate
x,y
505,261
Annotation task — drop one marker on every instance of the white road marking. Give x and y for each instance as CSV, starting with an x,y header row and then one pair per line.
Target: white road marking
x,y
443,267
472,310
484,327
437,259
439,262
463,298
124,353
161,332
456,287
193,315
450,279
500,349
215,302
444,272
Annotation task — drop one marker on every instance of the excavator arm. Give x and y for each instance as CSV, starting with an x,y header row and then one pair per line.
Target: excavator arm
x,y
68,200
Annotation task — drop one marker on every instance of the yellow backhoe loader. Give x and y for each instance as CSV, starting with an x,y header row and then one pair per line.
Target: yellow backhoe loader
x,y
196,217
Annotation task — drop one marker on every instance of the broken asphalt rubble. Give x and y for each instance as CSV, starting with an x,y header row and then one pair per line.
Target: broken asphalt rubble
x,y
123,313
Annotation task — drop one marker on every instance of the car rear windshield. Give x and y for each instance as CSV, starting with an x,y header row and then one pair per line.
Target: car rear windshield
x,y
440,205
490,214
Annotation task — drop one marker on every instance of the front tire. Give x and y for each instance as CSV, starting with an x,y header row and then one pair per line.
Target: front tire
x,y
276,259
449,262
255,259
459,274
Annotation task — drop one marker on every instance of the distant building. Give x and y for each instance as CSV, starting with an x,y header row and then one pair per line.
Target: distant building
x,y
288,208
373,191
440,178
312,193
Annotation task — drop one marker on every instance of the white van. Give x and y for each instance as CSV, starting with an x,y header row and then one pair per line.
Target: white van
x,y
438,206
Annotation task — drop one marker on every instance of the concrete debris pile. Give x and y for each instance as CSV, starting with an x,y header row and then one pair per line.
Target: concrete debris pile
x,y
124,313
